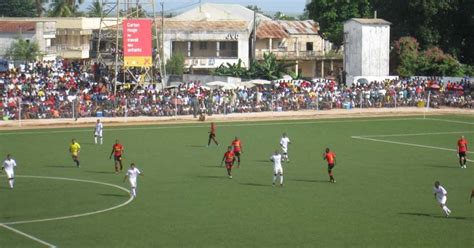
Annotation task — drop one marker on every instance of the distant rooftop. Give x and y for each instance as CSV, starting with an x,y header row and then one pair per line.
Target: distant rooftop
x,y
219,12
17,26
373,21
282,29
207,26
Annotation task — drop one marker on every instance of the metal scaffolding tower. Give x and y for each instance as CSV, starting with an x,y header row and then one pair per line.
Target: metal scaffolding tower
x,y
109,40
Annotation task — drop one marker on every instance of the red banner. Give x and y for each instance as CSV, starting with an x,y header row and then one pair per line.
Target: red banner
x,y
137,43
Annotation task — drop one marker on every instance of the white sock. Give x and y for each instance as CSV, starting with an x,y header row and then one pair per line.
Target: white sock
x,y
274,179
101,140
95,140
446,210
11,183
134,193
281,179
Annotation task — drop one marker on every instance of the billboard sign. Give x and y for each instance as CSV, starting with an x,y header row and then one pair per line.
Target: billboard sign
x,y
137,38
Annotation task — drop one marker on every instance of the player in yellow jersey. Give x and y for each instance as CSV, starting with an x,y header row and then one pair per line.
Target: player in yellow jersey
x,y
74,149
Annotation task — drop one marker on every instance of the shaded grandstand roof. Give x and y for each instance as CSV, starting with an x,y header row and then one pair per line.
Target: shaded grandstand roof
x,y
282,29
17,26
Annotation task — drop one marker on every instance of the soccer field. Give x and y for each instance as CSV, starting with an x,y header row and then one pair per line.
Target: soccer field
x,y
383,197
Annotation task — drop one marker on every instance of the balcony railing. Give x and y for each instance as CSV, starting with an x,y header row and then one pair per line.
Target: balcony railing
x,y
284,54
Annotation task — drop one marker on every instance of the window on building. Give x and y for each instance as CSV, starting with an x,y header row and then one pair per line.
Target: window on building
x,y
203,45
222,45
309,46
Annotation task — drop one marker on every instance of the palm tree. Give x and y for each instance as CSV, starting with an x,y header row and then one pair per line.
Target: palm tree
x,y
39,7
65,8
95,9
24,50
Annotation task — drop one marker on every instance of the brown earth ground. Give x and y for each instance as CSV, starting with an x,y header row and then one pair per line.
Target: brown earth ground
x,y
262,116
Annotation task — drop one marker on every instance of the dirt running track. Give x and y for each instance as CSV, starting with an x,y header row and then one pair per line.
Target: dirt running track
x,y
262,116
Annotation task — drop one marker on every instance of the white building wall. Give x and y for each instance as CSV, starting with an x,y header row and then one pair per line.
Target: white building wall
x,y
243,44
375,50
366,49
352,49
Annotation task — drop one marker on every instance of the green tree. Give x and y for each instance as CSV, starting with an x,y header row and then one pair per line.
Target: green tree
x,y
175,65
135,12
95,9
331,15
39,7
17,8
434,62
270,68
405,56
409,60
444,23
65,8
24,50
280,16
232,70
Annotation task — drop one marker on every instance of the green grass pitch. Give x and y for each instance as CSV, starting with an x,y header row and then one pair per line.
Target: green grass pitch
x,y
382,198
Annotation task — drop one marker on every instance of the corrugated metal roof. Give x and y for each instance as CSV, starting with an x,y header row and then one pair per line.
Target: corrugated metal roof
x,y
209,26
282,29
271,29
373,21
17,26
300,27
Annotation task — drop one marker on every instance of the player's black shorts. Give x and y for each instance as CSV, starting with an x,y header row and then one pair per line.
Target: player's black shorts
x,y
462,154
237,153
330,166
118,158
212,135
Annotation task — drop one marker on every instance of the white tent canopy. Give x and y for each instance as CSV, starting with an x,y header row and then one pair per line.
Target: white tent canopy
x,y
260,81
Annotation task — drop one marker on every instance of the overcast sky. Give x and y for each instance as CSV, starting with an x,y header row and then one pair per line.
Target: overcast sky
x,y
285,6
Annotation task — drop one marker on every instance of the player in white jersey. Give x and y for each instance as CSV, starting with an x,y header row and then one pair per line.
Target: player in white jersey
x,y
284,142
99,127
132,175
441,195
277,168
9,167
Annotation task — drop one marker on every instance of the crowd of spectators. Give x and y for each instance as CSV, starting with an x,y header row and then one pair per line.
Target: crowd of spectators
x,y
66,90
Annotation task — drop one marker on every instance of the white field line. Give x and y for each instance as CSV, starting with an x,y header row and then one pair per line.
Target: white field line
x,y
170,126
409,134
28,236
75,215
409,144
451,121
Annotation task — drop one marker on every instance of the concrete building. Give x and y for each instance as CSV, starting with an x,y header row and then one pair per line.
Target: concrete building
x,y
43,32
74,36
297,42
366,48
210,35
66,37
207,44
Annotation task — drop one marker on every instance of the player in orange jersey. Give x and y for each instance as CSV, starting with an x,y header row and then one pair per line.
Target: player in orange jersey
x,y
212,135
330,157
237,145
117,151
462,151
229,158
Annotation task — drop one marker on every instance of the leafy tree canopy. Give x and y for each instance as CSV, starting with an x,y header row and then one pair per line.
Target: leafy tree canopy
x,y
17,8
